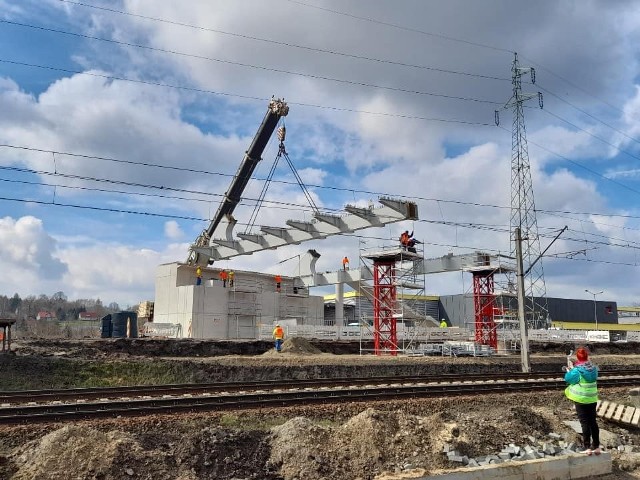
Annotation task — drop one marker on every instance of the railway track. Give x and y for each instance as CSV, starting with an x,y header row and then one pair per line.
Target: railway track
x,y
71,404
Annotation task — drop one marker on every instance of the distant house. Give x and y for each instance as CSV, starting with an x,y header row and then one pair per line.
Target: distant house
x,y
44,315
87,316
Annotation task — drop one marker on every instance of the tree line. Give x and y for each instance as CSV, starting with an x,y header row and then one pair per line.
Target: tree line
x,y
58,304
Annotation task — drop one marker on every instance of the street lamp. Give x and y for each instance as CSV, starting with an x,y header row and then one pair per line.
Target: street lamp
x,y
595,307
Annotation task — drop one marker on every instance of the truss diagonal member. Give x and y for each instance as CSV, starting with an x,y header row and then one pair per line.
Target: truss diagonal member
x,y
212,252
364,213
253,238
332,220
231,244
306,227
407,209
281,233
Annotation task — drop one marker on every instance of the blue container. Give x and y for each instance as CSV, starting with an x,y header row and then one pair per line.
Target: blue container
x,y
125,324
105,326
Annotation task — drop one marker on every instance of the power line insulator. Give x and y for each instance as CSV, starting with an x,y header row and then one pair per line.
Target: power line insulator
x,y
497,118
540,100
533,75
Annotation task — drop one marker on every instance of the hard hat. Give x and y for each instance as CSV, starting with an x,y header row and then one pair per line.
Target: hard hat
x,y
277,324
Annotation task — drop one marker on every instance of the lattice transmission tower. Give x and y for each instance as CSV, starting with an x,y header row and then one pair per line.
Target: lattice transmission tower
x,y
523,210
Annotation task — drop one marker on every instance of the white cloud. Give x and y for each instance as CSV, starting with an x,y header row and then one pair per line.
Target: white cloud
x,y
172,230
338,145
27,252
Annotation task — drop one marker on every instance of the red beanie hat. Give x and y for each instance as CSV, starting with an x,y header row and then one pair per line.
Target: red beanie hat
x,y
582,354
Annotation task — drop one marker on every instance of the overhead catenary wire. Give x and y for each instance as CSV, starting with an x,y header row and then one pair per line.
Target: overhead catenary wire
x,y
248,65
449,38
246,97
330,187
605,177
285,44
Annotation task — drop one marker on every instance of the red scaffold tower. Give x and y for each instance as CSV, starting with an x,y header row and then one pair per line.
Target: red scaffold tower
x,y
484,302
385,337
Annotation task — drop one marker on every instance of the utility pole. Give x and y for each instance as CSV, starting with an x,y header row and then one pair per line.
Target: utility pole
x,y
523,211
524,336
595,305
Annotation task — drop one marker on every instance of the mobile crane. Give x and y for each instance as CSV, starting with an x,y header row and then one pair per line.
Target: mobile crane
x,y
276,110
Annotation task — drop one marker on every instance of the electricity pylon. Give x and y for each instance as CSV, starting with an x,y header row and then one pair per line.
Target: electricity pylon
x,y
523,210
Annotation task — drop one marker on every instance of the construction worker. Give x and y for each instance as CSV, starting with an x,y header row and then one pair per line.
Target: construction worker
x,y
345,264
199,275
278,335
232,274
223,276
278,280
443,323
404,239
407,241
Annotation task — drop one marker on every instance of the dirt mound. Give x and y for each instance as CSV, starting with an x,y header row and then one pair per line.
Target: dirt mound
x,y
78,452
366,445
296,346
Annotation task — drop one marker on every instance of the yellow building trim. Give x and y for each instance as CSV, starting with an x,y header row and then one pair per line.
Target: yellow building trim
x,y
629,309
354,294
633,327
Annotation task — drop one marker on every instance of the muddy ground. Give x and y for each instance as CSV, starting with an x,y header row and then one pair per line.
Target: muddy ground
x,y
373,440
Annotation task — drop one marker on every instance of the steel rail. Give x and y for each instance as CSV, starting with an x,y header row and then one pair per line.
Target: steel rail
x,y
39,396
136,407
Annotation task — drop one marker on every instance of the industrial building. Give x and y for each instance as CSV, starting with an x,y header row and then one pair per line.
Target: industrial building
x,y
217,310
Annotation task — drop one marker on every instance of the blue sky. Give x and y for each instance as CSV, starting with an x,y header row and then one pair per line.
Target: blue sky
x,y
105,102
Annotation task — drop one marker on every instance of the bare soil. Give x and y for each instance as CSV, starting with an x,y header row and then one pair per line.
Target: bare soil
x,y
381,440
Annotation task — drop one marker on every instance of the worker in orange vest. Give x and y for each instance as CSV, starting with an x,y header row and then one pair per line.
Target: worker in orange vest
x,y
278,335
223,276
278,280
345,263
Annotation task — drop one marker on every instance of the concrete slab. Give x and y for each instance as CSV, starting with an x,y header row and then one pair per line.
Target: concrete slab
x,y
636,417
617,415
581,466
628,414
602,407
566,467
612,408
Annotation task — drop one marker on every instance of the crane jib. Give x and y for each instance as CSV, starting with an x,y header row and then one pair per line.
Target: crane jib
x,y
277,109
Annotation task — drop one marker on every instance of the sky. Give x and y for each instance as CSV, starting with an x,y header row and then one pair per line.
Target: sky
x,y
122,123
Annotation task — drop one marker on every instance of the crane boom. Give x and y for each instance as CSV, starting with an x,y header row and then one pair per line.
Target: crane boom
x,y
277,109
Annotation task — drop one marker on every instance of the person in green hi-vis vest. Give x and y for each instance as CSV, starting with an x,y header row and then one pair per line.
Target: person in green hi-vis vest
x,y
582,377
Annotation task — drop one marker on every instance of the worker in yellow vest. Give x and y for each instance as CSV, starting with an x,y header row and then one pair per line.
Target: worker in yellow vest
x,y
582,390
443,323
278,335
199,275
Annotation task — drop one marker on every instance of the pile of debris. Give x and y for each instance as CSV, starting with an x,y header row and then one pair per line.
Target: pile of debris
x,y
296,346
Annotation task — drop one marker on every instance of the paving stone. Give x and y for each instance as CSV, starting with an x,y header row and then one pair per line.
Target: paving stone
x,y
617,415
602,408
612,408
636,417
463,459
628,414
